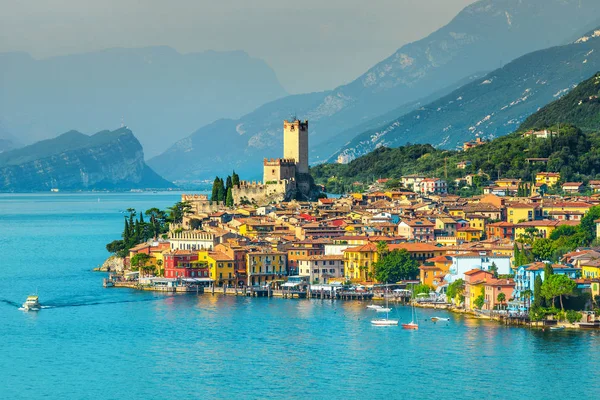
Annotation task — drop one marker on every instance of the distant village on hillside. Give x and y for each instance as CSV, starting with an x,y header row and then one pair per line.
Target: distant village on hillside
x,y
481,254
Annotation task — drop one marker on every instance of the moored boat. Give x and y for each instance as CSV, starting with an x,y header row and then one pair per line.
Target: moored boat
x,y
411,325
374,306
557,328
440,319
31,303
384,321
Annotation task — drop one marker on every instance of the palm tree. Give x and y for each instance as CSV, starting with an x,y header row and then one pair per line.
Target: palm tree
x,y
501,298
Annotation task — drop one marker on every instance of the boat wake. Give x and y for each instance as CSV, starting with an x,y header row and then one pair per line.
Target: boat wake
x,y
10,303
96,303
81,304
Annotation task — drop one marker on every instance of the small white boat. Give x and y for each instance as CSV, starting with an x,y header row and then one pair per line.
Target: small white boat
x,y
31,304
384,322
374,306
557,328
440,319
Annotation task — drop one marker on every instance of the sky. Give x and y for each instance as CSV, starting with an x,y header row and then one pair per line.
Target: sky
x,y
311,44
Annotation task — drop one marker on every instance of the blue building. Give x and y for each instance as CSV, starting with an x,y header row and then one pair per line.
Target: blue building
x,y
525,276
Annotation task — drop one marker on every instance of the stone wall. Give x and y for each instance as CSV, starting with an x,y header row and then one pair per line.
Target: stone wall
x,y
262,194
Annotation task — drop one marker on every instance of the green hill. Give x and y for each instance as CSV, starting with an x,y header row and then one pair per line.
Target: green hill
x,y
572,152
580,107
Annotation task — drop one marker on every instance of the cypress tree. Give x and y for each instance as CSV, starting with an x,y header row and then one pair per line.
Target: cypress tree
x,y
229,183
229,200
235,179
221,193
215,190
126,232
538,299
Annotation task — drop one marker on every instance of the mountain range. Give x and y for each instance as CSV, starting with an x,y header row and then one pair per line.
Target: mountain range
x,y
573,150
107,160
483,37
492,106
156,90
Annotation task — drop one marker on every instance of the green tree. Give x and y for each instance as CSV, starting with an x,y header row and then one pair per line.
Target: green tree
x,y
501,298
558,286
396,266
115,246
543,249
139,260
229,200
235,179
573,316
588,226
178,211
494,269
538,297
480,300
455,289
421,288
215,189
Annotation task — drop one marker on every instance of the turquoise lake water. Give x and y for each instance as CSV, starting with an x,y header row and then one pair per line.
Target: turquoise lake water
x,y
101,343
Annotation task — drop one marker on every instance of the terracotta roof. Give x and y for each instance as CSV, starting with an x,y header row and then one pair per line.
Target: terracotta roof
x,y
369,247
414,247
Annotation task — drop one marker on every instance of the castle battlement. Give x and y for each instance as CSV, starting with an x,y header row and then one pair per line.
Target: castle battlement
x,y
291,125
279,162
194,197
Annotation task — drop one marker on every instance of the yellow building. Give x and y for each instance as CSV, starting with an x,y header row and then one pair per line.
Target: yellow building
x,y
477,222
519,212
590,269
220,267
456,211
548,178
578,207
265,266
468,234
508,183
358,262
433,271
543,228
252,229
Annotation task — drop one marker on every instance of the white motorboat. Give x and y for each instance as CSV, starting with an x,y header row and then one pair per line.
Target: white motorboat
x,y
440,319
32,304
374,306
383,309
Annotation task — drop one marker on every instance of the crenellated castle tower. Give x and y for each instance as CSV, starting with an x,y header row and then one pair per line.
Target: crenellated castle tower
x,y
295,144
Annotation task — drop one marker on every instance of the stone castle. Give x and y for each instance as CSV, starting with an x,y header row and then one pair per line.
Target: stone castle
x,y
284,178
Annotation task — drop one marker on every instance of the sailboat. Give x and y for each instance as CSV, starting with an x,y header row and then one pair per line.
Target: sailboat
x,y
385,321
412,324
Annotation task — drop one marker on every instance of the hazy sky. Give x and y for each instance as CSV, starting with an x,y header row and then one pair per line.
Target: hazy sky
x,y
311,44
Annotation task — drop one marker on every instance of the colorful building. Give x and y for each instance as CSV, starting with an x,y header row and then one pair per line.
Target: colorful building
x,y
265,267
548,178
358,262
221,267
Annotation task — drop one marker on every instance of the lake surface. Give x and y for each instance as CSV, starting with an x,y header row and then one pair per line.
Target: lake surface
x,y
101,343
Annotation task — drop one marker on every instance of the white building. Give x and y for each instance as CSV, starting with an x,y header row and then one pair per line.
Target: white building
x,y
433,185
321,268
462,263
191,240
